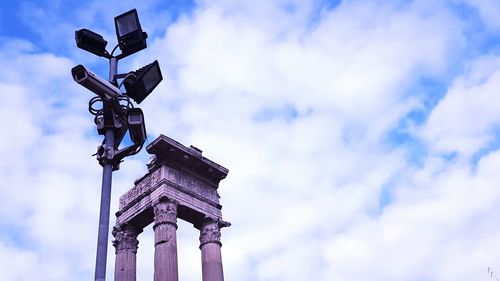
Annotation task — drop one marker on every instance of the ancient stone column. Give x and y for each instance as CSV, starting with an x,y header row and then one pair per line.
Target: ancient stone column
x,y
211,259
125,249
165,227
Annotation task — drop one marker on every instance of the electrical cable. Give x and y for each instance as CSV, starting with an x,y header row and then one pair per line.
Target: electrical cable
x,y
130,74
114,49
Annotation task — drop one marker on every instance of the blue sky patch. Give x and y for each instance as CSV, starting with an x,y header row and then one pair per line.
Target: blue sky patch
x,y
492,146
285,112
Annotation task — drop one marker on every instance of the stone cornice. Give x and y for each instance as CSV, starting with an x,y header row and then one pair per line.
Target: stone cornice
x,y
165,148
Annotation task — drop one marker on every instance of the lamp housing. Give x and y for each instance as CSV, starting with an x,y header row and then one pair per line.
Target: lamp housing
x,y
129,33
140,83
94,83
91,42
136,126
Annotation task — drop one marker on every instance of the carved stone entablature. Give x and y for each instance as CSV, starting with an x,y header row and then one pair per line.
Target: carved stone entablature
x,y
125,238
191,185
142,187
180,174
165,213
186,183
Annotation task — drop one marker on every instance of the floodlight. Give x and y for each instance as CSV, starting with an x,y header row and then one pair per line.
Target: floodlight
x,y
91,42
140,83
136,126
129,33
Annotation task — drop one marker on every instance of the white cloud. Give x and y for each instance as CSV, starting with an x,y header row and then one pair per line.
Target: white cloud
x,y
298,101
50,181
466,119
301,181
488,11
442,229
23,264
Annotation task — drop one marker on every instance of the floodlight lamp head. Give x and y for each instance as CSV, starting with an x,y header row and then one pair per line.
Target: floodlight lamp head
x,y
129,33
136,126
140,83
91,42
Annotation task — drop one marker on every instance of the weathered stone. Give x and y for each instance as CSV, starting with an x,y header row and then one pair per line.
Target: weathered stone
x,y
125,249
165,227
180,183
210,246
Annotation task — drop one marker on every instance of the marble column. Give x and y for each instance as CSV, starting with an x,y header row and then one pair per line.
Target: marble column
x,y
211,259
125,249
165,227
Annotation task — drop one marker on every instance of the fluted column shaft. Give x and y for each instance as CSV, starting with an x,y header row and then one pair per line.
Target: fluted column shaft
x,y
165,227
125,249
210,246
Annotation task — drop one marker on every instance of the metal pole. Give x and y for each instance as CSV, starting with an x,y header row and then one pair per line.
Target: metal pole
x,y
102,239
107,175
113,68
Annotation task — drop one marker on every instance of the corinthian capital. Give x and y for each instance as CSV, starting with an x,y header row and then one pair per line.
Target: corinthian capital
x,y
165,213
210,231
125,238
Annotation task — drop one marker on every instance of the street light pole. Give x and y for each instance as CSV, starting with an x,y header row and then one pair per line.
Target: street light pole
x,y
107,176
117,114
102,235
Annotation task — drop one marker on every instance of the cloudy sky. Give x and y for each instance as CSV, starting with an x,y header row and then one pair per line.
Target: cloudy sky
x,y
362,137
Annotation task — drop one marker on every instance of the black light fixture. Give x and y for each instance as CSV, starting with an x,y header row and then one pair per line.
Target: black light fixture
x,y
91,42
129,33
140,83
136,126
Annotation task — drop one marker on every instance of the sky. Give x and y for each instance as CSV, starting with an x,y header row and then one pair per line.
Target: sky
x,y
362,137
